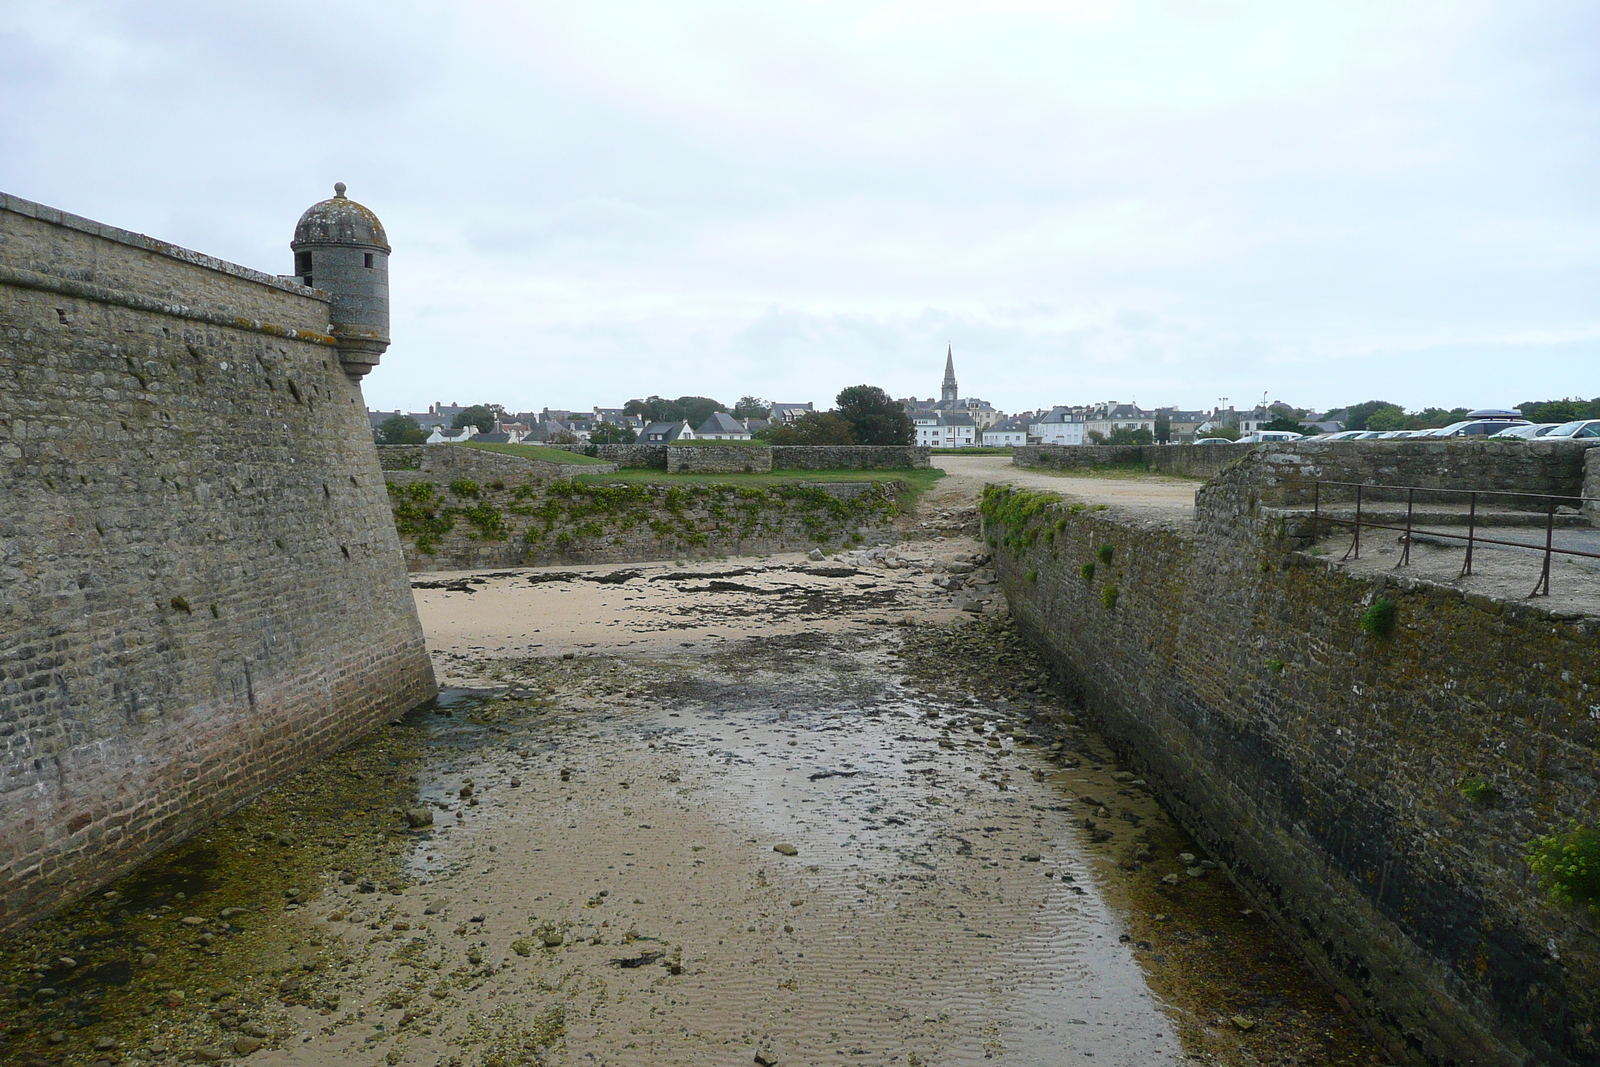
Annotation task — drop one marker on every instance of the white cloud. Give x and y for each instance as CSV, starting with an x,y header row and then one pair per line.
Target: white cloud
x,y
1093,199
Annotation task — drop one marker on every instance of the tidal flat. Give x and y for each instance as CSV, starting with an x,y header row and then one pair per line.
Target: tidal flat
x,y
807,813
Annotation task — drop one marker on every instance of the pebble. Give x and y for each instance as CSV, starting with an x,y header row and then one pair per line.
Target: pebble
x,y
1171,879
246,1045
1241,1022
417,818
786,850
192,920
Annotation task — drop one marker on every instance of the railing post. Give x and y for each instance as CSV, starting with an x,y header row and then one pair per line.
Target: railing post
x,y
1316,510
1356,546
1472,529
1543,588
1405,552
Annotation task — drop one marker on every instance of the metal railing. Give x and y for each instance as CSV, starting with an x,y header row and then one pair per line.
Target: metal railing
x,y
1472,538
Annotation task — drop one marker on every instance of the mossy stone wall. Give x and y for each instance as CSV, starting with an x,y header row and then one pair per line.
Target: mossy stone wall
x,y
1337,772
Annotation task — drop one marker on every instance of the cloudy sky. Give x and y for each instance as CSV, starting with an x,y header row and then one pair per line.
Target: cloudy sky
x,y
1166,201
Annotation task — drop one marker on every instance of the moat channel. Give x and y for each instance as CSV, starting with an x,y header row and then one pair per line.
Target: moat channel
x,y
765,811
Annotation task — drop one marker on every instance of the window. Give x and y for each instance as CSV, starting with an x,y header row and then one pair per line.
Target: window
x,y
369,259
302,264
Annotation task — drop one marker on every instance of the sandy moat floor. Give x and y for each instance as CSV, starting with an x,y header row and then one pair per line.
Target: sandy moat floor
x,y
775,811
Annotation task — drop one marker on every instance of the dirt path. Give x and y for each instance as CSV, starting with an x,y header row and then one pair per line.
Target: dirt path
x,y
1144,495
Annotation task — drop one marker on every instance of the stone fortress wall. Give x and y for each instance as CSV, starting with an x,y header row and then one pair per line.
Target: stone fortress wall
x,y
460,508
1375,794
201,586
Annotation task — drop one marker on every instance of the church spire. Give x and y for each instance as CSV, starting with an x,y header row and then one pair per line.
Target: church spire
x,y
948,392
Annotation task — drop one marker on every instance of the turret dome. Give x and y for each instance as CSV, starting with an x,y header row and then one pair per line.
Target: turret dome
x,y
339,221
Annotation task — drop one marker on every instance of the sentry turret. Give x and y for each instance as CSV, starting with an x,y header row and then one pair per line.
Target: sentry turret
x,y
340,247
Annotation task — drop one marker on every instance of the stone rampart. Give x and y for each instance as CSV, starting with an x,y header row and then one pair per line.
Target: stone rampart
x,y
1193,461
779,457
450,462
718,459
200,583
1284,475
1375,794
849,457
457,527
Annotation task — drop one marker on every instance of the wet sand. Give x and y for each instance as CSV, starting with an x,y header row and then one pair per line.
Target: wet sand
x,y
750,811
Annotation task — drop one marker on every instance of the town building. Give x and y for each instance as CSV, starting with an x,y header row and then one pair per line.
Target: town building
x,y
722,427
1007,433
1059,426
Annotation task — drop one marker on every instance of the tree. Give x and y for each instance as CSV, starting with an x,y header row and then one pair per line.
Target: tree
x,y
653,409
1125,436
400,430
691,409
1388,417
1569,410
1096,437
1163,427
1356,414
1290,424
480,415
1223,430
694,410
752,407
812,428
875,418
563,437
607,434
1431,418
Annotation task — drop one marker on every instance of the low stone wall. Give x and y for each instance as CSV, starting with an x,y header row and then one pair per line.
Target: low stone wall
x,y
1375,795
718,459
1193,461
780,457
459,461
849,457
460,526
1283,475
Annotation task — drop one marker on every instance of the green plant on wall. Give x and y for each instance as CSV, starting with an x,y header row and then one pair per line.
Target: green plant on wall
x,y
1108,597
1378,620
1477,790
1568,864
1086,572
1105,553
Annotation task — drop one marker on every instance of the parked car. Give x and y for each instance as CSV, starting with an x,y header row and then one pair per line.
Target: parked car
x,y
1580,428
1343,435
1528,431
1476,427
1212,441
1259,436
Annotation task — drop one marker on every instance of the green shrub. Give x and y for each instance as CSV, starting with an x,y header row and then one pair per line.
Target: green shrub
x,y
1086,572
1568,864
1378,620
1477,790
180,604
1275,665
1108,597
1105,553
464,487
1033,576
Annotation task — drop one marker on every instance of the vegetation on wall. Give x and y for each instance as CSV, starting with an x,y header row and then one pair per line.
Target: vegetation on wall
x,y
570,516
1567,862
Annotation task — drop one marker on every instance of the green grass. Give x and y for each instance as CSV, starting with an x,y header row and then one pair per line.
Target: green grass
x,y
977,450
549,455
1117,473
916,481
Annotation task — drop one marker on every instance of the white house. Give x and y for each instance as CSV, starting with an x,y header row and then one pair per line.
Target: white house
x,y
442,436
1007,433
1108,418
1062,426
722,427
664,433
945,429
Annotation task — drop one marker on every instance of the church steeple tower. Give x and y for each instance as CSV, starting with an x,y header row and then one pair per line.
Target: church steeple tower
x,y
948,392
